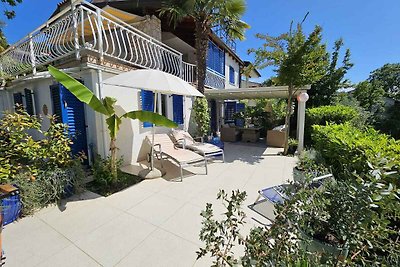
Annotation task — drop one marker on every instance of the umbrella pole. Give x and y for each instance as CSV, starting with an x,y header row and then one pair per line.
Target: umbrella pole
x,y
153,133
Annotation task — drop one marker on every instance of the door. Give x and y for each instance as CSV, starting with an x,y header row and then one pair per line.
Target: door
x,y
70,111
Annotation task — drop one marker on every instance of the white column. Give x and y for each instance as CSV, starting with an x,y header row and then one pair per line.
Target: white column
x,y
301,118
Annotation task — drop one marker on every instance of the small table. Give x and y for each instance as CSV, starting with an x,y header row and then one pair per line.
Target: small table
x,y
250,134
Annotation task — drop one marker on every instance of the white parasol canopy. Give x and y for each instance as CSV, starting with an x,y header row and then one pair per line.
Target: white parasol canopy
x,y
158,82
153,80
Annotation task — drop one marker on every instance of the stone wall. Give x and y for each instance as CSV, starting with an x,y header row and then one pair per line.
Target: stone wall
x,y
151,25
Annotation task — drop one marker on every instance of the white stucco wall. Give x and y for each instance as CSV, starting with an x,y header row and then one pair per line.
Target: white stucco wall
x,y
230,61
131,137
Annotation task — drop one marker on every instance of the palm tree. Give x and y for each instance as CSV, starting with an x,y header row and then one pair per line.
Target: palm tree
x,y
206,15
107,108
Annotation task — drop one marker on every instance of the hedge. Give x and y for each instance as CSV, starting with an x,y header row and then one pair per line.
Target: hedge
x,y
347,148
329,114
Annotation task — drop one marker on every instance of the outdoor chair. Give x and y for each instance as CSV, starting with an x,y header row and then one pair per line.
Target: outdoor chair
x,y
164,148
277,195
184,140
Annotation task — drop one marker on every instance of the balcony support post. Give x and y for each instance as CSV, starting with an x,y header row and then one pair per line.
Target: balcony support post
x,y
75,29
32,55
100,34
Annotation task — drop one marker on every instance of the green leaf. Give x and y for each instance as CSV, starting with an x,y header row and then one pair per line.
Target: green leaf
x,y
108,103
79,90
113,123
148,116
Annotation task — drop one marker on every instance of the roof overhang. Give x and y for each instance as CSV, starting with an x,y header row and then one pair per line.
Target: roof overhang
x,y
252,93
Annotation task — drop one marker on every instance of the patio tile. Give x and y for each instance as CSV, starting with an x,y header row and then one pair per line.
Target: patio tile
x,y
74,223
156,209
186,223
70,256
129,197
181,190
162,249
31,245
112,241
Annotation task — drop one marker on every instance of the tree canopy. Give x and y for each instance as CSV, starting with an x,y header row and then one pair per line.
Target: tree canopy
x,y
387,77
322,92
207,14
299,60
10,13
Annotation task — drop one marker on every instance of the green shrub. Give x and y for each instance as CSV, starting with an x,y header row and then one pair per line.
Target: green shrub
x,y
348,149
104,182
43,169
20,152
359,218
47,187
201,116
330,114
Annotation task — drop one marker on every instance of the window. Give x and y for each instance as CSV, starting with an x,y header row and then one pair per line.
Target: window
x,y
18,102
215,58
147,104
231,75
177,102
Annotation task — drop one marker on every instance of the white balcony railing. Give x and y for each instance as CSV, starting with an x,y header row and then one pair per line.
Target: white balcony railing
x,y
84,27
214,79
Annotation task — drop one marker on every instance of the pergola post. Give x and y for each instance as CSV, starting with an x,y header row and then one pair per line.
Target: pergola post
x,y
301,119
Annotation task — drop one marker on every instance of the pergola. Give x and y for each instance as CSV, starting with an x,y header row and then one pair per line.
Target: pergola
x,y
261,93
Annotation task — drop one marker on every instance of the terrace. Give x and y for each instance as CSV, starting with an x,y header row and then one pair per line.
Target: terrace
x,y
85,33
153,223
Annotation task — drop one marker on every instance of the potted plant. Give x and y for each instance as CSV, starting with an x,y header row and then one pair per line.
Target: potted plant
x,y
293,143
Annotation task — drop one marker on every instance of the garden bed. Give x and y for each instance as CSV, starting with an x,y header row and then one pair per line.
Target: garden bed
x,y
125,180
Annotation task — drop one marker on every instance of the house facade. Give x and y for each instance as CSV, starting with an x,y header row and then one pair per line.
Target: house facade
x,y
98,40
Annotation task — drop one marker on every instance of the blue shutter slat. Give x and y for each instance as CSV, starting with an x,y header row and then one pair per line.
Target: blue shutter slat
x,y
29,101
177,101
147,104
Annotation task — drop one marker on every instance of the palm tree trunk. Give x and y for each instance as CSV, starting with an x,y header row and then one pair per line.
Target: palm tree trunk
x,y
113,149
201,53
287,118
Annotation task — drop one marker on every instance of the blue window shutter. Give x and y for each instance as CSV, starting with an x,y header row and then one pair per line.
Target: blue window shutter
x,y
231,75
177,101
29,101
240,107
147,104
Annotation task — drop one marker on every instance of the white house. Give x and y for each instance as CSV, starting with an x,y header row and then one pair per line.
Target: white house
x,y
97,40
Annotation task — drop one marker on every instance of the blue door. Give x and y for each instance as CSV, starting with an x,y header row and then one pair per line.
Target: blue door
x,y
213,115
69,110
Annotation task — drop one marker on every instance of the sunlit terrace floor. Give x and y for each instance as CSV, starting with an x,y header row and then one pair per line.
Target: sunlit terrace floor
x,y
153,223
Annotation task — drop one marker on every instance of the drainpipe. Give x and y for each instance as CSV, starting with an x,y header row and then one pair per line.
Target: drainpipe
x,y
98,94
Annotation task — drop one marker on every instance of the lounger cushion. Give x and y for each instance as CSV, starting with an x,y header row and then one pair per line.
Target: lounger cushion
x,y
204,148
180,135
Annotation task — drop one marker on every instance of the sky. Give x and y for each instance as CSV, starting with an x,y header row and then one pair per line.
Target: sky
x,y
369,28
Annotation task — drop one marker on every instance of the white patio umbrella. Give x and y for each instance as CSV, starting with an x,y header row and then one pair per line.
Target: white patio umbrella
x,y
158,82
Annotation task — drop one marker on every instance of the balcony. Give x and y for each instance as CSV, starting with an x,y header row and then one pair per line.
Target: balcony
x,y
84,29
213,80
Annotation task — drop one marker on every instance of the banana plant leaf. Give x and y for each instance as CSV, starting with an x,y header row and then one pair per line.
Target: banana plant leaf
x,y
79,90
148,116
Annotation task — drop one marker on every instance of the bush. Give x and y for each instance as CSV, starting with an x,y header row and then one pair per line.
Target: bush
x,y
201,116
104,182
348,149
20,152
359,218
329,114
48,187
43,169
